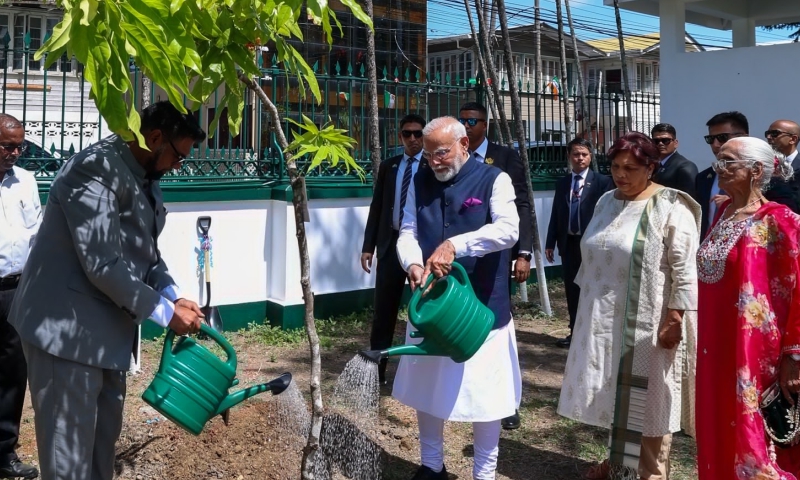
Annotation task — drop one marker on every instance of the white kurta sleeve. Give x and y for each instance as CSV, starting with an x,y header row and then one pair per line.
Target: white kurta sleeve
x,y
408,249
499,235
682,239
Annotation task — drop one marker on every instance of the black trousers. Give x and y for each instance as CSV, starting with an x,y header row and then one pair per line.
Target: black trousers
x,y
571,262
390,280
13,381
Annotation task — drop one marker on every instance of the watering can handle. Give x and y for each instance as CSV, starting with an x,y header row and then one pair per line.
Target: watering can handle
x,y
166,354
460,274
222,342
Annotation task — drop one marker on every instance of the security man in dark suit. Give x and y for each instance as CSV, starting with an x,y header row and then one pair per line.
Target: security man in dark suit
x,y
573,207
675,171
395,176
474,117
721,128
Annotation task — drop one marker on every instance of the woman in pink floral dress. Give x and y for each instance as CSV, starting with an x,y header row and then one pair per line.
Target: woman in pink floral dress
x,y
748,319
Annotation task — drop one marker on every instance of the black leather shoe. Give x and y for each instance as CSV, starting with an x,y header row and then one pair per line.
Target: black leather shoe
x,y
17,469
564,342
512,422
425,473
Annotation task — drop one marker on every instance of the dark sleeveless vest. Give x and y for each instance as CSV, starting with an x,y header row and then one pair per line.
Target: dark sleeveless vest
x,y
444,212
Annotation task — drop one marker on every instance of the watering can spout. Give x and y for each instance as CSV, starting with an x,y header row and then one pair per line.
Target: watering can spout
x,y
424,348
275,386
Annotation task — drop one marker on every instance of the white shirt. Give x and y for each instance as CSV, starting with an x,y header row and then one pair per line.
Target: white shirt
x,y
398,186
712,207
20,217
582,180
499,235
790,158
479,153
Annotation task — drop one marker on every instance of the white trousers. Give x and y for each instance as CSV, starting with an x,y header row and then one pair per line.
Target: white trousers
x,y
486,443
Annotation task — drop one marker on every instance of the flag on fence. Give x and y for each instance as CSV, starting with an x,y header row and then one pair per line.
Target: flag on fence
x,y
554,84
345,96
388,99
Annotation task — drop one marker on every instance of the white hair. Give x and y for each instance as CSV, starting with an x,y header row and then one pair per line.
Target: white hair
x,y
753,150
448,124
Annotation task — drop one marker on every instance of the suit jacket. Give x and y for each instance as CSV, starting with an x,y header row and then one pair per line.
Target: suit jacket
x,y
94,272
507,160
702,191
594,187
679,173
786,192
378,232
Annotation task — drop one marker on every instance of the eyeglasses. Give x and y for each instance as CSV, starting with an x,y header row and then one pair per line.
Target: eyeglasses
x,y
181,157
440,154
775,133
470,121
13,148
724,165
408,133
663,141
721,137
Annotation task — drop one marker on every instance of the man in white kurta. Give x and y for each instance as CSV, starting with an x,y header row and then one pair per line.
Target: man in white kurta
x,y
460,210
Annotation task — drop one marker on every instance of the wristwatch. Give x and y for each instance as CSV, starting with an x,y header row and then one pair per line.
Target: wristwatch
x,y
525,256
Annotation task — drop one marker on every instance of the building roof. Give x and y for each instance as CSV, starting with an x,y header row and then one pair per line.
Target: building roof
x,y
643,44
721,14
521,36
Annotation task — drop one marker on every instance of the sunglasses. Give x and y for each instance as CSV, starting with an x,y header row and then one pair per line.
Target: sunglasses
x,y
470,121
13,148
722,137
408,133
663,141
775,133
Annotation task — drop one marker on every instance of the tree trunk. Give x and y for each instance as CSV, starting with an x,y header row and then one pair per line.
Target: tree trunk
x,y
494,80
586,118
564,83
626,86
374,120
538,89
516,106
482,64
299,199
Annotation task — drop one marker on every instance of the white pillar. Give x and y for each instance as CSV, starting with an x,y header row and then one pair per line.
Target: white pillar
x,y
744,33
672,16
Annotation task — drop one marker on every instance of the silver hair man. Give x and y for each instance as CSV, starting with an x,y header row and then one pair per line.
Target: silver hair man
x,y
445,144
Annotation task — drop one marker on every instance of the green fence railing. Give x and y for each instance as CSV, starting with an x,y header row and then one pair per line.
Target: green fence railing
x,y
60,119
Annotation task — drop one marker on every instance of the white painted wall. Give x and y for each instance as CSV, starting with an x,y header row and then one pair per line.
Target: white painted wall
x,y
255,252
760,82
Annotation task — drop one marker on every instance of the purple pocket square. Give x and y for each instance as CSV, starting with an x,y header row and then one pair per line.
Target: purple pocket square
x,y
471,202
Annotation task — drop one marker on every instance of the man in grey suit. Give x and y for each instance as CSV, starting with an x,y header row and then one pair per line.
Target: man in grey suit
x,y
94,274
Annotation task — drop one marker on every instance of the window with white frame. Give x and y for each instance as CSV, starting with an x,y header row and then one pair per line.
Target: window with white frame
x,y
459,65
647,77
21,26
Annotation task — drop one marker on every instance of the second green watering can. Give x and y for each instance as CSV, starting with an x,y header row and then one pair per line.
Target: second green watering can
x,y
450,319
191,385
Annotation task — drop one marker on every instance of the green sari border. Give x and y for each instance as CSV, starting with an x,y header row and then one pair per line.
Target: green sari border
x,y
625,378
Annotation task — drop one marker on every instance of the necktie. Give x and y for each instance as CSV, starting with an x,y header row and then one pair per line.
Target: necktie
x,y
404,188
574,204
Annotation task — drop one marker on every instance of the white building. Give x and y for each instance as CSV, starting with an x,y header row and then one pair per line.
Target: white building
x,y
759,81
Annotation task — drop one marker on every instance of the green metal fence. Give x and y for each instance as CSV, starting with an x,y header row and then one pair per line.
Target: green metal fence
x,y
60,119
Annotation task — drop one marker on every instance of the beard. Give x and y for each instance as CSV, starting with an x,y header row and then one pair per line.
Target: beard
x,y
445,174
151,166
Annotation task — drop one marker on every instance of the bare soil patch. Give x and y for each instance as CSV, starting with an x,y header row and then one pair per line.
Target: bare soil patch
x,y
256,445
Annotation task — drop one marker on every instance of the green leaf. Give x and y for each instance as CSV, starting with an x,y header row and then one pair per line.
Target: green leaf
x,y
57,43
358,12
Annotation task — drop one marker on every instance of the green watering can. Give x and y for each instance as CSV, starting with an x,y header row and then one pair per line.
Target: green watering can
x,y
191,385
450,319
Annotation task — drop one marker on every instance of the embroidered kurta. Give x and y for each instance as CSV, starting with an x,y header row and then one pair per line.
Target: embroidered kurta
x,y
638,262
749,316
